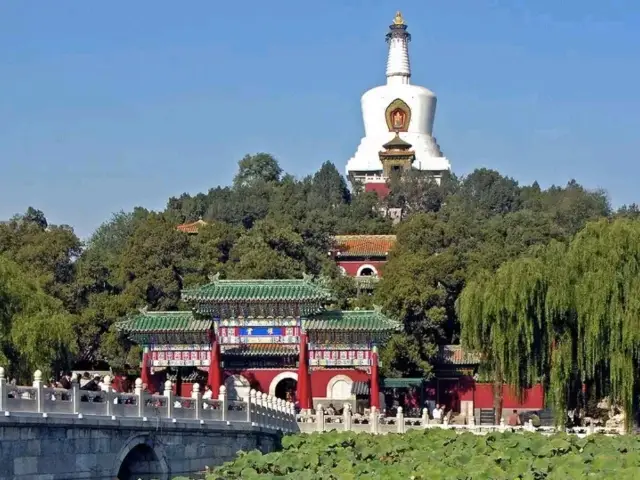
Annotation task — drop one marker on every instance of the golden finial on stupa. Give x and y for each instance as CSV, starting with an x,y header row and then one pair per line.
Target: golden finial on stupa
x,y
398,20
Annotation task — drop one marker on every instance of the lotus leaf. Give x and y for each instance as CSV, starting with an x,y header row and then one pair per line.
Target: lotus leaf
x,y
436,454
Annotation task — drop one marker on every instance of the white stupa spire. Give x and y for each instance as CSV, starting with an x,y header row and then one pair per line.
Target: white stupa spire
x,y
398,66
397,108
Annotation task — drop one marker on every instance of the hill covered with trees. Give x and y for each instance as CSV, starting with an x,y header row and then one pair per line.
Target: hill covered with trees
x,y
59,297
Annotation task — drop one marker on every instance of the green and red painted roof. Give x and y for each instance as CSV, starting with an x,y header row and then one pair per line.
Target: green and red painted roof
x,y
187,321
351,321
257,291
164,322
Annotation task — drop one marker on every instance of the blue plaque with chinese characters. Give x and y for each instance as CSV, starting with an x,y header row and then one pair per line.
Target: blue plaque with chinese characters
x,y
260,331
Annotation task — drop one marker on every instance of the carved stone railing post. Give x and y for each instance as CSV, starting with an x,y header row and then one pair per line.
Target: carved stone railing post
x,y
252,407
108,394
373,418
291,412
168,394
471,421
75,395
320,418
265,410
3,390
224,404
425,418
270,418
277,405
140,397
37,384
400,420
197,400
347,417
502,425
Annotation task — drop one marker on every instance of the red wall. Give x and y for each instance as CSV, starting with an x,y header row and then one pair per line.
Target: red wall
x,y
351,266
320,379
533,397
261,379
382,189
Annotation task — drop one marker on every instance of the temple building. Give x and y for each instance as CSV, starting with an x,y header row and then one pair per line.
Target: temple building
x,y
398,123
191,228
362,256
275,336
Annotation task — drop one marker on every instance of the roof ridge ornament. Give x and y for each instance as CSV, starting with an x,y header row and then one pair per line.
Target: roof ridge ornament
x,y
214,278
377,308
144,310
306,277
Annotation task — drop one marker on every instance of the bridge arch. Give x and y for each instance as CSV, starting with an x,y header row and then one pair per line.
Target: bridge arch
x,y
141,458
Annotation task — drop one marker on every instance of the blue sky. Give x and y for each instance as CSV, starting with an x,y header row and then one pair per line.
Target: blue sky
x,y
109,105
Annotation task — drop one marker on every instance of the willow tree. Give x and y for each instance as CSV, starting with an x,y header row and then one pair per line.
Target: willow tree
x,y
35,330
562,313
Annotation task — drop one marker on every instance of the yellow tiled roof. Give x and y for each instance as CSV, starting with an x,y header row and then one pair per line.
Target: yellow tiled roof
x,y
364,245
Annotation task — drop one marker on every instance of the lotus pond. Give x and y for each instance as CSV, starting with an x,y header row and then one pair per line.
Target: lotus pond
x,y
436,454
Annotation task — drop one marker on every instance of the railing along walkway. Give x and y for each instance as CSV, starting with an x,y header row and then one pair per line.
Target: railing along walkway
x,y
378,424
258,409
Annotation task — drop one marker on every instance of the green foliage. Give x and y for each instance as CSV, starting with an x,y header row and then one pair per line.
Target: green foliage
x,y
479,223
271,225
567,313
439,454
35,329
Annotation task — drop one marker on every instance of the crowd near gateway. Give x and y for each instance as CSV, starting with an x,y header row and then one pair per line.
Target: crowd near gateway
x,y
278,305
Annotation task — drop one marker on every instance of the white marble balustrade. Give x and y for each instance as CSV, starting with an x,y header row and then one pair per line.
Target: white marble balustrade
x,y
378,424
258,409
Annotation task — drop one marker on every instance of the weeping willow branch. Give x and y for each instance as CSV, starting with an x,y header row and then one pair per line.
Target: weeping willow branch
x,y
563,311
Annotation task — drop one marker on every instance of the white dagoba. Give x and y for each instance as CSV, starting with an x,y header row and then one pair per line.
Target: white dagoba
x,y
397,108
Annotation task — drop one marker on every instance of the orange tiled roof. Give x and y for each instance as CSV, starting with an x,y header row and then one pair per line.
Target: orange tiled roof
x,y
364,245
192,227
456,355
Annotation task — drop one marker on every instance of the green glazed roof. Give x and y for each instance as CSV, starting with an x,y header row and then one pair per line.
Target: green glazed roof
x,y
350,320
164,322
257,291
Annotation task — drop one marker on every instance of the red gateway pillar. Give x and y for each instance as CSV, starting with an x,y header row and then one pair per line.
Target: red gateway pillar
x,y
214,377
374,401
303,390
145,371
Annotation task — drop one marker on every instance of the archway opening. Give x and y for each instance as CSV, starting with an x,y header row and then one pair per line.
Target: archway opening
x,y
367,272
340,389
143,463
286,389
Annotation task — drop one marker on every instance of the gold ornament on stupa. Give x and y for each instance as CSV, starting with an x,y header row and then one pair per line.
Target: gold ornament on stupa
x,y
398,20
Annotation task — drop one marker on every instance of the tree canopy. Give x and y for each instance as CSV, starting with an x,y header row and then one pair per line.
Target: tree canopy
x,y
269,224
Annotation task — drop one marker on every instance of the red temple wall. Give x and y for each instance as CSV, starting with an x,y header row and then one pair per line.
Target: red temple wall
x,y
533,397
320,379
381,189
351,266
261,379
466,389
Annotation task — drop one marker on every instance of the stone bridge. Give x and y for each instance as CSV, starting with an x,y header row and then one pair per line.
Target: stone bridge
x,y
57,434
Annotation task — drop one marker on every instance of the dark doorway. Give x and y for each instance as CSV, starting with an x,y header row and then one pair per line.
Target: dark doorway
x,y
142,463
286,389
448,395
